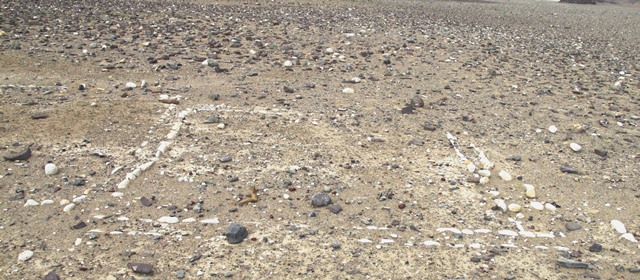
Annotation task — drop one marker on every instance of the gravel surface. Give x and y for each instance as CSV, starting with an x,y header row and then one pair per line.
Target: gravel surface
x,y
319,139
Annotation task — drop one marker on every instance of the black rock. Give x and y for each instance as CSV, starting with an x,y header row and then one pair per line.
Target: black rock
x,y
335,208
595,247
236,233
78,182
320,200
288,89
475,259
21,155
39,116
407,109
571,263
52,276
590,2
602,153
569,169
145,201
79,225
141,268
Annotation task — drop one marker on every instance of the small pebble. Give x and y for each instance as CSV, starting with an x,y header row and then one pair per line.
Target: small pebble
x,y
553,129
595,247
348,90
31,202
236,233
515,208
52,275
572,226
25,255
335,208
320,200
50,169
575,147
618,226
141,268
336,244
504,175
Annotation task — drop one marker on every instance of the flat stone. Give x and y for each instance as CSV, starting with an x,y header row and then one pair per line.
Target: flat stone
x,y
236,233
226,159
141,268
320,200
39,116
52,276
335,208
79,225
595,247
571,263
571,226
25,255
168,220
21,155
145,201
600,152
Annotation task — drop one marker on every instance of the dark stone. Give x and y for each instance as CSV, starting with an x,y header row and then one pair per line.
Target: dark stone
x,y
602,153
145,201
78,182
569,169
515,158
17,196
79,225
417,101
52,276
407,109
288,89
236,233
595,247
21,155
39,116
141,268
475,259
571,263
589,2
571,226
589,276
335,208
225,159
320,200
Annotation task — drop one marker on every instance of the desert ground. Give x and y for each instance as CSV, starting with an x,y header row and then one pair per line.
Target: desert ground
x,y
318,139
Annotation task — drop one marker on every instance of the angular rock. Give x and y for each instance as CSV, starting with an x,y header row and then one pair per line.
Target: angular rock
x,y
571,226
335,208
141,268
595,248
25,255
320,200
417,101
145,201
21,155
236,233
571,263
52,275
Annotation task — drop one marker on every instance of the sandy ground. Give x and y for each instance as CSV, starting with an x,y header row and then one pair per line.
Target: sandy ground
x,y
300,98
